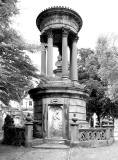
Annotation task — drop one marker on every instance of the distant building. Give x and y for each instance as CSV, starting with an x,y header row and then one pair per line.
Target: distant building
x,y
27,104
18,110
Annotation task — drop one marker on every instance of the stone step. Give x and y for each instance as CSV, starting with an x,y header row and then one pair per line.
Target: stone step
x,y
54,141
51,146
37,141
50,143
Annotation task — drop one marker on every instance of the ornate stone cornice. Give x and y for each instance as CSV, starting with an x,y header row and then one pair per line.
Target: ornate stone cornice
x,y
62,85
49,13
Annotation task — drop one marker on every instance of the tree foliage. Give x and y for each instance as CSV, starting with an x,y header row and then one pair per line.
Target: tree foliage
x,y
16,69
90,64
108,58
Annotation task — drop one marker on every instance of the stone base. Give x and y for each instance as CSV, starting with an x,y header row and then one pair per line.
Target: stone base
x,y
55,104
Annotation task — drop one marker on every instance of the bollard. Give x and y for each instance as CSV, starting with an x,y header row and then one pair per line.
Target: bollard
x,y
107,133
28,134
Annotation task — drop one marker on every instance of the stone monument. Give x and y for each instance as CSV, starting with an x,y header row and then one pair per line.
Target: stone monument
x,y
60,99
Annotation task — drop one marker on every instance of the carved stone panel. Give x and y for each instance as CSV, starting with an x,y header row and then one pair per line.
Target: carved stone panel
x,y
55,121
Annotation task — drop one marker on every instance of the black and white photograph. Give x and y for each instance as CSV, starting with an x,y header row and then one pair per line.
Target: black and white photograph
x,y
58,80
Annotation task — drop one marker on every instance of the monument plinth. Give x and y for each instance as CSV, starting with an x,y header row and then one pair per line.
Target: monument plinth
x,y
61,97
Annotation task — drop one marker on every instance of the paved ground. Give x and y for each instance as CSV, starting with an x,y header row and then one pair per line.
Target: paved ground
x,y
101,153
21,153
12,153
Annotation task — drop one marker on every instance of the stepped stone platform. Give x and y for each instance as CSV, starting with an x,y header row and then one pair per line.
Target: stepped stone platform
x,y
51,144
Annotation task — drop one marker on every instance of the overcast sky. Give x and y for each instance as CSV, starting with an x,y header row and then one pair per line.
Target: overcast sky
x,y
99,17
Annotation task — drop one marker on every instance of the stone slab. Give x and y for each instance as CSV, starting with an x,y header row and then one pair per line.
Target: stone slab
x,y
51,146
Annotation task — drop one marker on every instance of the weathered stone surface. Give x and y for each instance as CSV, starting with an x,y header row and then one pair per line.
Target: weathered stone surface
x,y
58,17
80,116
37,115
77,108
38,103
75,102
54,100
37,109
68,96
58,99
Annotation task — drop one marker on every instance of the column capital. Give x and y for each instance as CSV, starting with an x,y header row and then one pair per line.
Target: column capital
x,y
50,34
76,38
43,47
65,32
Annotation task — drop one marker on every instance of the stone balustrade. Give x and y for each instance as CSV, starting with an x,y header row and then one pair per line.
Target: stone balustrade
x,y
95,134
94,137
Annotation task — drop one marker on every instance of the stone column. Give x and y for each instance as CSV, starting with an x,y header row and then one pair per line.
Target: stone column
x,y
64,54
50,55
74,72
70,74
43,61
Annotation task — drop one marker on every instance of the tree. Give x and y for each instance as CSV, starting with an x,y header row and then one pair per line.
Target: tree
x,y
98,70
88,69
16,68
107,54
87,65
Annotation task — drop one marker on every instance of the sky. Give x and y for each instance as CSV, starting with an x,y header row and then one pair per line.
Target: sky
x,y
100,17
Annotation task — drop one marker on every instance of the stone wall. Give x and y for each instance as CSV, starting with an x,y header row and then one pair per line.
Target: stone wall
x,y
78,107
70,106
